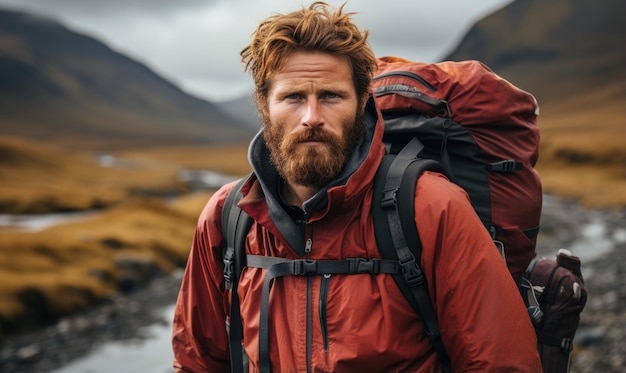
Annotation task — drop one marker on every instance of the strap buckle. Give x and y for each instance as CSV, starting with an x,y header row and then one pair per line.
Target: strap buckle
x,y
304,267
508,165
390,197
567,345
411,271
228,268
361,265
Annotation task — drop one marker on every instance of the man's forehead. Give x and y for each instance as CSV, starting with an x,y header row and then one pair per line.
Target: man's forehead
x,y
320,68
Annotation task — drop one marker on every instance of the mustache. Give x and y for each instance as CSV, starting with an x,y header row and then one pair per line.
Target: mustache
x,y
313,134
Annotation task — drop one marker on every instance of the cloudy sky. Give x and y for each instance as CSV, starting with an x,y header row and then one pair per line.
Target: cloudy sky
x,y
196,43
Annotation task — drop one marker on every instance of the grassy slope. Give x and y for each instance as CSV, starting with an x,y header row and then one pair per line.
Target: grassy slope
x,y
583,153
48,273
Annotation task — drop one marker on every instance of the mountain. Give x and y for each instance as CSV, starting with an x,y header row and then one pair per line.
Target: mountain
x,y
555,49
242,108
59,85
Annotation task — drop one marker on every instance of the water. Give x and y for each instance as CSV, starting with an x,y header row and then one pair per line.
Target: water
x,y
34,223
196,179
597,239
203,179
153,354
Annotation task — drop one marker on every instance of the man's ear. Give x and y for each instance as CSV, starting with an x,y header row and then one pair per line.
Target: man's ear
x,y
363,100
261,104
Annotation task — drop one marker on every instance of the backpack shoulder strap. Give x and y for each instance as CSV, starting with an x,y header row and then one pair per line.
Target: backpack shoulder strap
x,y
235,226
396,234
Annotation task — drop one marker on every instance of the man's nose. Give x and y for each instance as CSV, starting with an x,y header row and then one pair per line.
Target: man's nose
x,y
312,115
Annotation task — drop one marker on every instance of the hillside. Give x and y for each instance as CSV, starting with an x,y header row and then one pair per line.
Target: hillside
x,y
570,55
56,84
242,108
556,50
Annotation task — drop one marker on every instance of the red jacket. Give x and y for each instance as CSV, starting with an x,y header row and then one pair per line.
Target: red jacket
x,y
366,324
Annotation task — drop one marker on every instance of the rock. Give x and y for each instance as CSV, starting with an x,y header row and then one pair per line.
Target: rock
x,y
589,336
28,353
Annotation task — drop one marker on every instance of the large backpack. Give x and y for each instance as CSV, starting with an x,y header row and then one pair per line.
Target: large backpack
x,y
457,118
483,130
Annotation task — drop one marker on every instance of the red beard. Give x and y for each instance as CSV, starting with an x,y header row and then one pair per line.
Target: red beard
x,y
312,166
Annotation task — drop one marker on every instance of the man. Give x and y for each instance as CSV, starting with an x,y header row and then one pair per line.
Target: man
x,y
310,197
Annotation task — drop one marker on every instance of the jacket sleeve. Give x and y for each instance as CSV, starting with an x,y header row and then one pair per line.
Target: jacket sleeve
x,y
484,324
199,337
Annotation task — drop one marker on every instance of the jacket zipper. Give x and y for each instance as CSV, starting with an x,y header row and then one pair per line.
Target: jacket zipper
x,y
309,291
322,308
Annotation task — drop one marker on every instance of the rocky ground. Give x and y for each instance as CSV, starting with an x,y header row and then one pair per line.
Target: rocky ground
x,y
600,339
123,317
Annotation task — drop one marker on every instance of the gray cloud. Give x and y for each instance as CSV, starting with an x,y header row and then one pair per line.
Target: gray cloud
x,y
196,43
91,8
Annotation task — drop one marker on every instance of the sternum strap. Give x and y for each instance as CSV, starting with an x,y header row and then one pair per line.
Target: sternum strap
x,y
278,267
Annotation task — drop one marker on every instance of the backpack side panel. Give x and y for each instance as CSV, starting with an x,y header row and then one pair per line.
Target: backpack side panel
x,y
463,164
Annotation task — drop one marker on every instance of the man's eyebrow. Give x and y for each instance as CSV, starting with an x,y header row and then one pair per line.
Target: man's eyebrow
x,y
337,91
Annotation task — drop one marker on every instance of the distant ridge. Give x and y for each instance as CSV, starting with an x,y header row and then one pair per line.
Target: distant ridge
x,y
554,49
243,109
59,85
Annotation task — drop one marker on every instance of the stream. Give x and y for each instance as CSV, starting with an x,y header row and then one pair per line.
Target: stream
x,y
196,179
34,223
153,354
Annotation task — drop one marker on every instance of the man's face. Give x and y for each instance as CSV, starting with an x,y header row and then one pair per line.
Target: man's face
x,y
312,118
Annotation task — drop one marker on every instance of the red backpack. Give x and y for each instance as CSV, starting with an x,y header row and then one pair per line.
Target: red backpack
x,y
463,120
483,130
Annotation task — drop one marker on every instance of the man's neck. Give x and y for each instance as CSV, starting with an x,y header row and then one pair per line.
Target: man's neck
x,y
296,195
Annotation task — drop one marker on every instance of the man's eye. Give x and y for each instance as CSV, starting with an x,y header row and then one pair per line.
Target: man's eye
x,y
293,96
331,95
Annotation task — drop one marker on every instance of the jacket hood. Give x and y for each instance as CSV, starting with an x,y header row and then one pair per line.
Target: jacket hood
x,y
340,193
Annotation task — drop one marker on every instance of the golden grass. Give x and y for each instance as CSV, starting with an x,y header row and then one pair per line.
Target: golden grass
x,y
39,178
590,126
74,264
64,268
594,187
583,148
229,159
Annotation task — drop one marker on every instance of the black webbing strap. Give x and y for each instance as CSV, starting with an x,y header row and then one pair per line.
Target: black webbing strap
x,y
505,166
235,226
278,267
531,232
392,233
565,344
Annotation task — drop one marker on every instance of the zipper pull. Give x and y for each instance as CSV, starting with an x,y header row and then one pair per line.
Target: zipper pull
x,y
309,244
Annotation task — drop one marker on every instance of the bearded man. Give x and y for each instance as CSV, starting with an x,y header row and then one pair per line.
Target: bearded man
x,y
310,197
